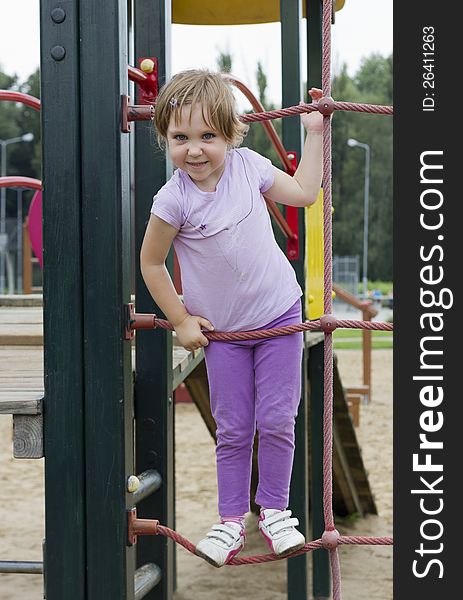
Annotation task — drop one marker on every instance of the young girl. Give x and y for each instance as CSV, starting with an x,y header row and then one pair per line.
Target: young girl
x,y
234,278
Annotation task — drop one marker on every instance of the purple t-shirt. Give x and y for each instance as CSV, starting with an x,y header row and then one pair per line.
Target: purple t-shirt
x,y
233,271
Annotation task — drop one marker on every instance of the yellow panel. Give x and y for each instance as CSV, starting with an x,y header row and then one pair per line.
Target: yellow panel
x,y
314,251
229,12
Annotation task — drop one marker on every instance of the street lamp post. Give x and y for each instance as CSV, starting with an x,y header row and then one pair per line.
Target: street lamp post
x,y
352,143
27,137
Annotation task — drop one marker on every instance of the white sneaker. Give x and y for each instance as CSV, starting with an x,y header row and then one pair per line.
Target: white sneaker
x,y
280,531
222,543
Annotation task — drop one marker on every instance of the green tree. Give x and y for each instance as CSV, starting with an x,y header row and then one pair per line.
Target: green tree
x,y
371,84
29,120
8,110
224,62
257,137
16,120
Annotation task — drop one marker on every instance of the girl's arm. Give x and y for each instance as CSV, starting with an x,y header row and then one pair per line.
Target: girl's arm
x,y
303,187
158,239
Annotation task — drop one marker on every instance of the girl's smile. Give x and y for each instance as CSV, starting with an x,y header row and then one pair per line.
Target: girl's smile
x,y
196,148
197,165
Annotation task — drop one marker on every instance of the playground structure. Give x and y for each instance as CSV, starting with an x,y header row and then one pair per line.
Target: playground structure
x,y
87,255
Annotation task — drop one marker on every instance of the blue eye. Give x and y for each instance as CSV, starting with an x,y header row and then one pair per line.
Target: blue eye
x,y
209,136
180,137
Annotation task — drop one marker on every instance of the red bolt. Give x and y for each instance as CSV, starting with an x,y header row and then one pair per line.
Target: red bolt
x,y
328,323
330,539
326,105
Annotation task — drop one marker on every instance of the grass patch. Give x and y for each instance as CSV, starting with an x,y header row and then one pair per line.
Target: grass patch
x,y
357,333
376,345
351,339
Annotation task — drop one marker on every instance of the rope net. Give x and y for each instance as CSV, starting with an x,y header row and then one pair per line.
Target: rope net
x,y
331,538
263,558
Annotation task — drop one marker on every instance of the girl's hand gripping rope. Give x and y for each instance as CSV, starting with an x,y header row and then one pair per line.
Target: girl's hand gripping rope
x,y
313,122
189,332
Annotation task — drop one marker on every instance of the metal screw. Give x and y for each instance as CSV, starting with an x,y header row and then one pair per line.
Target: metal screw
x,y
133,483
58,53
58,15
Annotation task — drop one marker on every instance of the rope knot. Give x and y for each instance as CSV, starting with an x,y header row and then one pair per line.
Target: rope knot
x,y
326,105
330,539
328,323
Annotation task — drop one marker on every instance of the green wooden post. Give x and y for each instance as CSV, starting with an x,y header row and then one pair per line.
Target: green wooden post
x,y
106,267
291,15
153,386
320,559
64,552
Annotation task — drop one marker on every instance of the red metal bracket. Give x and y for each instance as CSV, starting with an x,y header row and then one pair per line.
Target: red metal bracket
x,y
134,321
136,527
125,125
129,317
146,77
292,217
137,112
149,86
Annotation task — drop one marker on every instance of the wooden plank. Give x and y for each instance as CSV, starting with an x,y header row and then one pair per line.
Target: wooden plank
x,y
345,476
28,436
65,517
18,382
25,315
198,387
21,376
21,402
21,340
312,338
348,444
353,402
188,361
16,355
359,390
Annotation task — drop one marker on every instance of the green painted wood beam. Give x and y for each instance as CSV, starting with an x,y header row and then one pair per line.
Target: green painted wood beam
x,y
154,381
290,17
106,252
65,514
321,583
320,558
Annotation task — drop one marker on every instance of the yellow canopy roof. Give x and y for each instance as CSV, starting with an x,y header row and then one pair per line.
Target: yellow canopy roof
x,y
229,12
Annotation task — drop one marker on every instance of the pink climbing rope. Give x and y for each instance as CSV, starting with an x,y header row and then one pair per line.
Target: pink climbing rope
x,y
147,321
154,528
330,539
306,108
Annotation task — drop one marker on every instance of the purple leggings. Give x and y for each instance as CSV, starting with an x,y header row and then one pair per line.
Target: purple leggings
x,y
255,383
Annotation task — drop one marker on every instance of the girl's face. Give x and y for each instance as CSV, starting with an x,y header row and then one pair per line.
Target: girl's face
x,y
196,148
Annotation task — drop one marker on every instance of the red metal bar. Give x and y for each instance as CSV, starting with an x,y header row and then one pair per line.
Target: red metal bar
x,y
136,75
20,97
23,182
292,217
280,220
146,78
140,112
268,126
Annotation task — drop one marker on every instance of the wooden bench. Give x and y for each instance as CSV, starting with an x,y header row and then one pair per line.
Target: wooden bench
x,y
353,396
26,406
23,395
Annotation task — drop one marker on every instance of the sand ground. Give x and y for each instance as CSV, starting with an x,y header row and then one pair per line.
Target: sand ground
x,y
366,570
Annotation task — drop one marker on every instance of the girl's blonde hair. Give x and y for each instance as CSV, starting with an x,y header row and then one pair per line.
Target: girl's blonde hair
x,y
212,92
